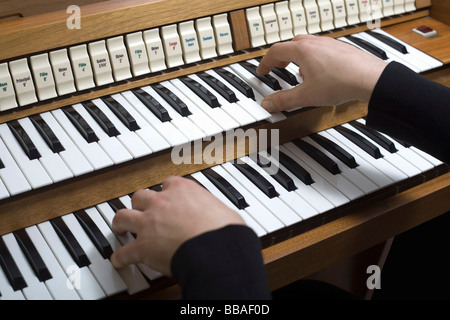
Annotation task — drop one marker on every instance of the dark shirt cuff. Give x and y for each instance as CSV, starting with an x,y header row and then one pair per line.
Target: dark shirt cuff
x,y
221,264
412,108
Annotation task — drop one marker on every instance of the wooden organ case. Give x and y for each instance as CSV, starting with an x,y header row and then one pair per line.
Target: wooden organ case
x,y
289,255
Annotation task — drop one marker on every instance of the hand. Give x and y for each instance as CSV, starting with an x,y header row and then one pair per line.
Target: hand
x,y
333,72
164,220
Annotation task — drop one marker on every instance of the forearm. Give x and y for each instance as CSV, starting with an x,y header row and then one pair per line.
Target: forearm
x,y
221,264
412,108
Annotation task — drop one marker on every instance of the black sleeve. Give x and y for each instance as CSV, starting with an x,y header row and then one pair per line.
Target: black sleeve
x,y
412,108
221,264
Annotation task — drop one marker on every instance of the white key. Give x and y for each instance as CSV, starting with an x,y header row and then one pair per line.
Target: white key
x,y
166,129
35,289
111,145
53,163
254,109
133,278
32,169
129,139
408,154
79,279
146,132
221,117
381,164
198,117
104,272
390,54
184,124
351,175
338,180
3,191
264,217
371,172
432,62
92,151
291,198
393,158
429,157
11,175
307,192
108,214
7,291
232,109
247,107
278,208
322,185
57,285
255,226
73,157
407,59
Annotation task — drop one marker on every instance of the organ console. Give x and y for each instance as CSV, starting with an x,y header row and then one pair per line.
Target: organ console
x,y
93,100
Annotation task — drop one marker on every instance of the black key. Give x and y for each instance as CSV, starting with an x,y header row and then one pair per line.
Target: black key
x,y
335,150
116,204
318,155
226,188
403,143
34,258
286,76
257,179
70,242
295,168
267,79
24,140
101,119
368,46
94,233
219,86
201,91
157,188
280,176
1,164
375,136
237,82
46,133
10,268
82,126
172,99
152,104
121,113
389,41
360,141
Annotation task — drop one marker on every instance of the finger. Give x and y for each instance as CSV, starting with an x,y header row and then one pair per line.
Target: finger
x,y
142,199
279,55
126,255
286,99
171,181
126,220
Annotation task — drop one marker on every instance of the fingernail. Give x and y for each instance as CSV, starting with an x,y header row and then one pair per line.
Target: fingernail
x,y
268,105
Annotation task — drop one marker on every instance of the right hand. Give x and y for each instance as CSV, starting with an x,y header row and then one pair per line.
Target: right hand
x,y
333,72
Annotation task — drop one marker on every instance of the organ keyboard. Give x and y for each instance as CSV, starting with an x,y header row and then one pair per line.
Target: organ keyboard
x,y
88,119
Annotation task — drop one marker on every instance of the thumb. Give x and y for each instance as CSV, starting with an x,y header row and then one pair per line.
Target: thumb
x,y
286,99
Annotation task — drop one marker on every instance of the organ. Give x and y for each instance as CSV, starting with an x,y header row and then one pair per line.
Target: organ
x,y
66,83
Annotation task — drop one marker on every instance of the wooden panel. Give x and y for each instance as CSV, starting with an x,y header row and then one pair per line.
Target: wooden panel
x,y
239,29
438,47
440,10
105,19
34,7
